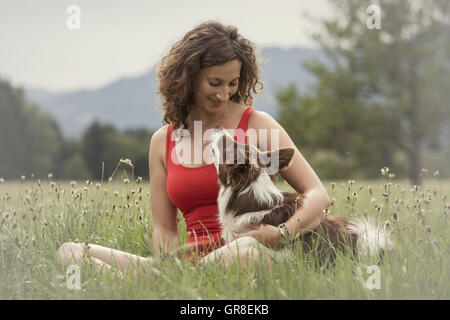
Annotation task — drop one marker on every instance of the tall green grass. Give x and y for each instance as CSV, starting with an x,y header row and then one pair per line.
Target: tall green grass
x,y
36,217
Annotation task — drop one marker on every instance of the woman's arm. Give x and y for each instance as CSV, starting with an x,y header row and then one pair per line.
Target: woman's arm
x,y
300,176
164,213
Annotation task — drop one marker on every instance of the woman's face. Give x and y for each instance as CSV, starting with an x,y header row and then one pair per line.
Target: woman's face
x,y
213,86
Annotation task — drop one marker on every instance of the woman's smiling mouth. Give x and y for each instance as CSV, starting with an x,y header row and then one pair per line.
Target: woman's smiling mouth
x,y
216,103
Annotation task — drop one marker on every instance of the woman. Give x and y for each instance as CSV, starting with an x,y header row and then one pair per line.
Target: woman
x,y
207,77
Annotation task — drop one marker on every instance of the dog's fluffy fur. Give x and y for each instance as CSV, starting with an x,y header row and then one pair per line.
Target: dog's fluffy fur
x,y
248,196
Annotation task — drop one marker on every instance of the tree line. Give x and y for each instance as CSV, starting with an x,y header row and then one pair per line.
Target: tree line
x,y
31,144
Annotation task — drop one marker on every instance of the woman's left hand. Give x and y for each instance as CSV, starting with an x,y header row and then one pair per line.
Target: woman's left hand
x,y
267,234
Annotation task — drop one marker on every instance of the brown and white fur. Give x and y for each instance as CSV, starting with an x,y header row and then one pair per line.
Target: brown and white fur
x,y
248,196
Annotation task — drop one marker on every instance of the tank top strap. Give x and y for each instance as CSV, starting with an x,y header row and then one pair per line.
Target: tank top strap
x,y
243,124
169,143
242,127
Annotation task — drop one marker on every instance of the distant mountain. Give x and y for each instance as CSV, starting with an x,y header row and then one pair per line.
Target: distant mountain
x,y
133,102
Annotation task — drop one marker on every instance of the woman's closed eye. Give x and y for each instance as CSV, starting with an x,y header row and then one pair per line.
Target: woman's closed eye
x,y
216,85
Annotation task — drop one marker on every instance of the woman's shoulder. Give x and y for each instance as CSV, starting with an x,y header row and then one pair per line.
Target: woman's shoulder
x,y
257,119
158,139
160,134
262,120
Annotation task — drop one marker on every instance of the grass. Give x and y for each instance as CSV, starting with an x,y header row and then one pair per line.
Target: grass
x,y
36,217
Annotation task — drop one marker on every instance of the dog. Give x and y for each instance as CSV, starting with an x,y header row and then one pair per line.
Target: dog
x,y
248,196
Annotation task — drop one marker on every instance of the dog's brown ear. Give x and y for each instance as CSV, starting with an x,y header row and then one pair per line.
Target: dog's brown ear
x,y
285,155
276,160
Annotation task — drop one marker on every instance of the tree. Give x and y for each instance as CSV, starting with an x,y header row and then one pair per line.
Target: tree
x,y
400,71
335,130
95,142
29,139
103,144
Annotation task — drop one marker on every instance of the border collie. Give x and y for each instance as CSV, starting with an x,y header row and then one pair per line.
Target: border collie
x,y
248,196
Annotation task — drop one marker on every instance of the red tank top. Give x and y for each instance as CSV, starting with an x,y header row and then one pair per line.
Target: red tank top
x,y
194,190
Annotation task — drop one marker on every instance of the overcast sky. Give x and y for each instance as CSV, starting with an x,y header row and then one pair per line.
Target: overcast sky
x,y
125,38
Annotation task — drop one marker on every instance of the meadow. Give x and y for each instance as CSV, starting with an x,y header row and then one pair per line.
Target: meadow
x,y
37,216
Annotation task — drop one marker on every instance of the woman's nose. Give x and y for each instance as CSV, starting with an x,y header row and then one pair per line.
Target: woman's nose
x,y
222,95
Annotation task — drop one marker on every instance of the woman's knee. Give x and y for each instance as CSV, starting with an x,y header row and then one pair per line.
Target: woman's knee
x,y
70,252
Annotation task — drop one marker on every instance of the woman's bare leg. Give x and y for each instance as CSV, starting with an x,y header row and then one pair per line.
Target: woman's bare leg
x,y
103,257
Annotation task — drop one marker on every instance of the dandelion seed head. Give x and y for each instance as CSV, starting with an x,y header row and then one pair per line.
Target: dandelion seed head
x,y
127,162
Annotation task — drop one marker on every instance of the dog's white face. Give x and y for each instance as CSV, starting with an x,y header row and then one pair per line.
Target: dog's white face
x,y
215,139
236,163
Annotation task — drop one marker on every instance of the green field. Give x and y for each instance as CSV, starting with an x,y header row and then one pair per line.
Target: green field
x,y
36,217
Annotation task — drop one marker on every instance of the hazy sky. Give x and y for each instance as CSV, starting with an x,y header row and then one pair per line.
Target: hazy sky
x,y
125,38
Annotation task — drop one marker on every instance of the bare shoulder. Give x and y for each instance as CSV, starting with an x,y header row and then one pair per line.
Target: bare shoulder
x,y
160,134
262,120
158,144
263,123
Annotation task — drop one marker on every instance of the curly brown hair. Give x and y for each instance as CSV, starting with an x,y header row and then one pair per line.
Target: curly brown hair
x,y
208,44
